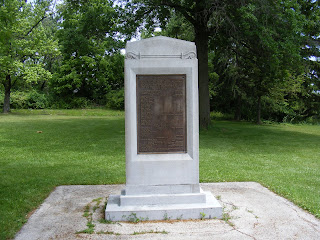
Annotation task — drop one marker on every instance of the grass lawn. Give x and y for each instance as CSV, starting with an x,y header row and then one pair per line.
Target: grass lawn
x,y
46,148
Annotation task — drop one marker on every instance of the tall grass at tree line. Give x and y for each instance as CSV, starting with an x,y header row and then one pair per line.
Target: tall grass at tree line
x,y
41,149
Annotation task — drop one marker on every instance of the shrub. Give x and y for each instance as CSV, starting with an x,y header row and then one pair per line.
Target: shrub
x,y
80,102
37,100
70,102
24,100
115,99
1,99
59,104
19,99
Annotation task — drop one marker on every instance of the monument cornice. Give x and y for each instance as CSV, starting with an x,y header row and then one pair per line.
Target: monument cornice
x,y
137,56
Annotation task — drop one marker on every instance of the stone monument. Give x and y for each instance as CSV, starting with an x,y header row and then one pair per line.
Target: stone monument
x,y
162,135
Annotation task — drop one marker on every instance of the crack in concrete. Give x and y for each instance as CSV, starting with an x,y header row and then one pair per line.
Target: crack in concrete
x,y
244,233
311,224
228,203
256,217
234,207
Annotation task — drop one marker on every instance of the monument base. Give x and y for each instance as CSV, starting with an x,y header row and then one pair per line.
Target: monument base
x,y
194,206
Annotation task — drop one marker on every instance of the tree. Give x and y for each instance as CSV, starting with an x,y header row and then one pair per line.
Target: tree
x,y
260,49
205,18
88,38
310,97
262,40
23,43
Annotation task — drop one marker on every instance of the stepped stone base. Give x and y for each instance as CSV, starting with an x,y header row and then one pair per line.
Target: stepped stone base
x,y
163,207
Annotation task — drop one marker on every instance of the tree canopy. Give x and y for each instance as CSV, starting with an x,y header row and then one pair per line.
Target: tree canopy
x,y
257,59
90,51
23,44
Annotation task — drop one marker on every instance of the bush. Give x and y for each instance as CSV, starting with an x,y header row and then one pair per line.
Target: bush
x,y
1,99
115,99
80,102
68,103
313,120
37,100
24,100
59,104
19,99
221,116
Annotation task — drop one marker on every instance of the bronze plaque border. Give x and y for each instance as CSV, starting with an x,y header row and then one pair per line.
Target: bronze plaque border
x,y
185,113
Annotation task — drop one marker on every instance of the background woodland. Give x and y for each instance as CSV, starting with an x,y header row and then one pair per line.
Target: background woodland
x,y
258,60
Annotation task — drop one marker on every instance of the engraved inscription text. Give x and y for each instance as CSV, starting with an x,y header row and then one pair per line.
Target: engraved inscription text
x,y
161,113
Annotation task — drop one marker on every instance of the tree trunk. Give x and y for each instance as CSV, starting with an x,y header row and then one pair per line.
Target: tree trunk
x,y
259,111
201,40
237,115
7,92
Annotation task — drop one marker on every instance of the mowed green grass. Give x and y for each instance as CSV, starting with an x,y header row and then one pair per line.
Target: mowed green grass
x,y
87,147
70,150
285,158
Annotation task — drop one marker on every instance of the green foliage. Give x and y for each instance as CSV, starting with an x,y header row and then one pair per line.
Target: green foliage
x,y
70,102
151,231
24,43
104,74
37,100
31,99
115,99
1,98
176,27
260,65
91,64
262,52
19,100
134,219
202,215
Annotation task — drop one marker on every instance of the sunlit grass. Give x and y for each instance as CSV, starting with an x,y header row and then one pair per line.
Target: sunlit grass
x,y
39,152
41,149
283,157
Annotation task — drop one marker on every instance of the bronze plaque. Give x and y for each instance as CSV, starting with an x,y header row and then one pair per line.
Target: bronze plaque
x,y
161,113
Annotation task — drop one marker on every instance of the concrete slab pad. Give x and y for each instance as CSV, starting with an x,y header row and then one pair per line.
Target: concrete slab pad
x,y
250,212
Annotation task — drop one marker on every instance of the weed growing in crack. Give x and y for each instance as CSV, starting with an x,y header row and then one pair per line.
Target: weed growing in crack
x,y
105,221
250,211
165,217
98,201
226,217
86,212
152,231
179,218
108,232
89,230
88,215
134,219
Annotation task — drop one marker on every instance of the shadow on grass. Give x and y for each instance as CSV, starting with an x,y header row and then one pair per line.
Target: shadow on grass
x,y
284,158
277,135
